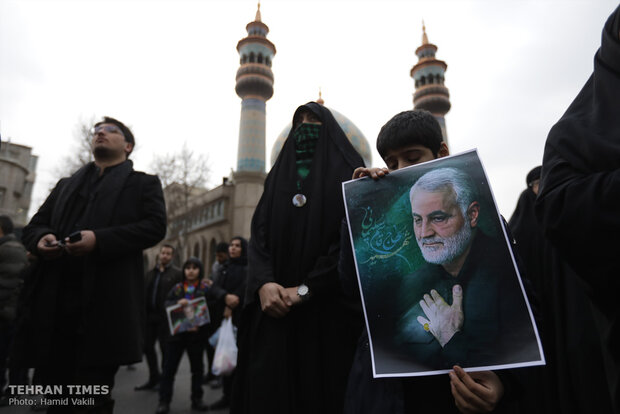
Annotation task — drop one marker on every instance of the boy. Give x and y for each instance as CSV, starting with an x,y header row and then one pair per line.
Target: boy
x,y
409,138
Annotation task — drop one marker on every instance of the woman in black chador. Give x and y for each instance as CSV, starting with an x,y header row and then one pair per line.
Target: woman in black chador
x,y
232,279
578,204
298,333
573,380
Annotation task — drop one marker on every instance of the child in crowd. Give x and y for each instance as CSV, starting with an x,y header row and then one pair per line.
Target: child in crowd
x,y
192,340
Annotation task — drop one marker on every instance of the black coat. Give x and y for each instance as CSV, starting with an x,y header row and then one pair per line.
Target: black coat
x,y
579,203
232,280
573,380
127,214
13,263
169,277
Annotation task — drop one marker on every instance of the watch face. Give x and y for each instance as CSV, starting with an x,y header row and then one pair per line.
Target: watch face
x,y
302,290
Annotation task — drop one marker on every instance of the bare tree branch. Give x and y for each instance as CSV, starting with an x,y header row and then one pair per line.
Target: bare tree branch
x,y
81,153
182,174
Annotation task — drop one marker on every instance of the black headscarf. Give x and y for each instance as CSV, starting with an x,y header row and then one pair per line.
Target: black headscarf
x,y
579,200
533,175
289,244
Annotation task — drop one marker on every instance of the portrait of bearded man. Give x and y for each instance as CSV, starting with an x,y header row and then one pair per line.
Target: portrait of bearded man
x,y
464,305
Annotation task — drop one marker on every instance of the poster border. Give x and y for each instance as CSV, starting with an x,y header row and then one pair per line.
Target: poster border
x,y
499,217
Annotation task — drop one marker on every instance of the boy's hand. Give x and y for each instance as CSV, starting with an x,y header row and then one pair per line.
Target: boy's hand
x,y
476,392
374,173
182,302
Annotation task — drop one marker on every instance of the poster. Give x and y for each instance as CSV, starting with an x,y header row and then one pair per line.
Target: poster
x,y
182,318
437,277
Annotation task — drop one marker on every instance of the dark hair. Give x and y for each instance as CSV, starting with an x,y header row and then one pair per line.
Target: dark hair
x,y
171,247
244,245
126,131
416,127
195,261
6,224
221,247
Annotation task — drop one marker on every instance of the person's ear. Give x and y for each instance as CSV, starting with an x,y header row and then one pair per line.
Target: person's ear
x,y
443,150
472,214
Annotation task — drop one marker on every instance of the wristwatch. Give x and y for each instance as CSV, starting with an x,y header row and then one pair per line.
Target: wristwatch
x,y
303,292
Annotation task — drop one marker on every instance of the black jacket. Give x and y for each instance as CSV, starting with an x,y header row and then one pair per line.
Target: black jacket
x,y
13,262
232,280
169,277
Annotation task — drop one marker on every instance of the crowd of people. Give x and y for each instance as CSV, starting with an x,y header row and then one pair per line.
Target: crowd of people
x,y
75,303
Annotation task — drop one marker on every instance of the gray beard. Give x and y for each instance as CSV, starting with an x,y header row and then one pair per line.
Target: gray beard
x,y
452,248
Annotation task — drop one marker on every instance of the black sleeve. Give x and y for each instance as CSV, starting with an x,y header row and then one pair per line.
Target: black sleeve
x,y
577,210
259,256
40,224
346,264
173,296
323,278
115,241
217,293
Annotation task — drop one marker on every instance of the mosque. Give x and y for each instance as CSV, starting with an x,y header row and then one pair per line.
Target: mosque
x,y
212,216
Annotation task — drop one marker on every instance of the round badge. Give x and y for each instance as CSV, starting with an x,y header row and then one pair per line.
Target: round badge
x,y
299,200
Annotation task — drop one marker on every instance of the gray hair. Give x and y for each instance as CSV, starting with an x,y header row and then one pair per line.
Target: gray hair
x,y
443,179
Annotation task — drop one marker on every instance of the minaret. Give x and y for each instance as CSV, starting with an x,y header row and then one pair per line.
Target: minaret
x,y
428,75
254,87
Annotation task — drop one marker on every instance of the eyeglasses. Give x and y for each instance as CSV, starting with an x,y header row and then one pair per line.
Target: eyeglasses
x,y
112,129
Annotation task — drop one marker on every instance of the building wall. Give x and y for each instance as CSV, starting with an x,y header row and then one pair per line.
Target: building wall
x,y
17,175
248,189
214,216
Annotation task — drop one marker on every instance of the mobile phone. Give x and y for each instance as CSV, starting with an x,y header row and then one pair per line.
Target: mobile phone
x,y
75,237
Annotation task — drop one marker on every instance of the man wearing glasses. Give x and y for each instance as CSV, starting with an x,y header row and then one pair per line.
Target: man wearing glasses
x,y
86,295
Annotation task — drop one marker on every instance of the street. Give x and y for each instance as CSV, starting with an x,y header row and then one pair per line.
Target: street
x,y
145,402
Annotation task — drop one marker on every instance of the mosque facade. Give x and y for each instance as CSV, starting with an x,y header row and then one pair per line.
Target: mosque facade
x,y
216,215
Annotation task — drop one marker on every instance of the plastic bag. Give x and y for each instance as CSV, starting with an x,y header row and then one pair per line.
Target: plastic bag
x,y
225,358
213,338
